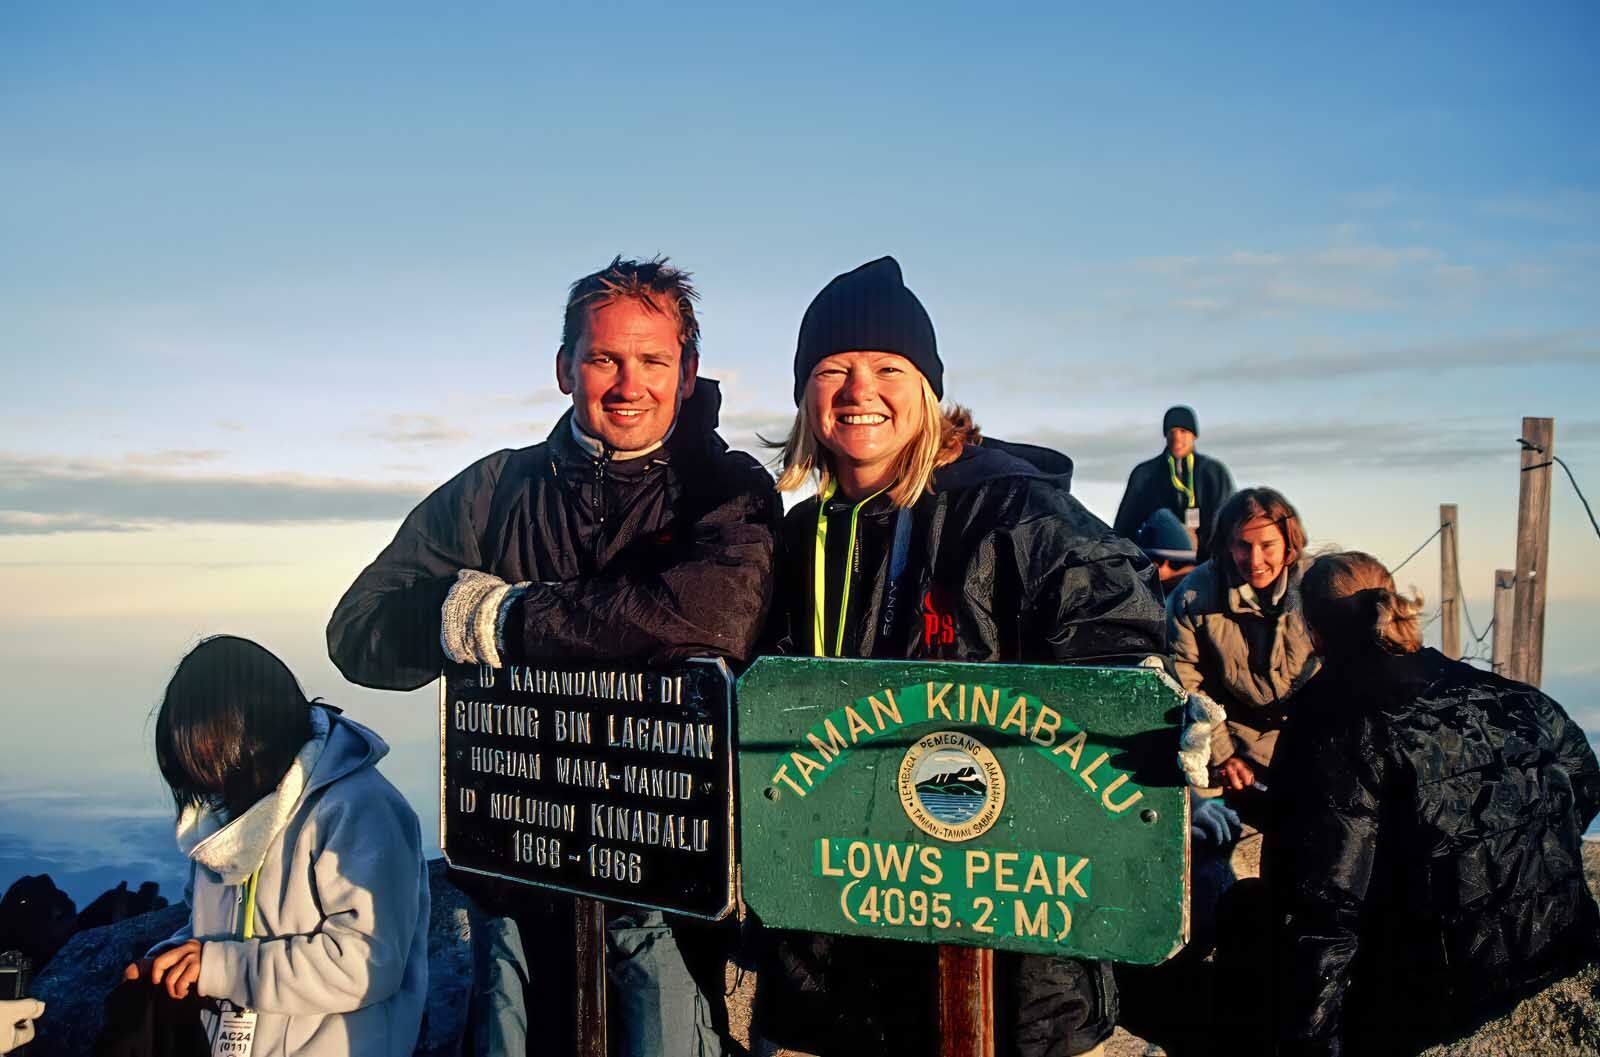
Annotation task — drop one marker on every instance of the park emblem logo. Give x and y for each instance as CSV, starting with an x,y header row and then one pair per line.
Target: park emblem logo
x,y
951,786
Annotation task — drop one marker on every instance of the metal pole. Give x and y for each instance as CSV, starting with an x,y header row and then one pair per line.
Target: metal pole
x,y
1449,584
590,937
1504,587
966,1005
1533,550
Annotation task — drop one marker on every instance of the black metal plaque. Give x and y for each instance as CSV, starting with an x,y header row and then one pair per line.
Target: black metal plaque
x,y
612,783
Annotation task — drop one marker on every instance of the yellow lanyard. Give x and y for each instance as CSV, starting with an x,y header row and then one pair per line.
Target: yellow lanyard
x,y
250,904
1188,491
819,575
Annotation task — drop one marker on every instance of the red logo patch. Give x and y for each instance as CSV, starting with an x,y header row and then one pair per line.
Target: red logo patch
x,y
938,624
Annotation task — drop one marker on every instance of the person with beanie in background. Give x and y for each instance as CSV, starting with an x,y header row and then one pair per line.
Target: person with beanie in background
x,y
1169,547
1180,479
631,535
932,544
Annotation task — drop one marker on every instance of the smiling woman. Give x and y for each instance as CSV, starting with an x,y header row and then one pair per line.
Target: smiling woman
x,y
925,543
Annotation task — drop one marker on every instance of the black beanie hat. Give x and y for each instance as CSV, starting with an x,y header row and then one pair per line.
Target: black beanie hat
x,y
1181,417
867,310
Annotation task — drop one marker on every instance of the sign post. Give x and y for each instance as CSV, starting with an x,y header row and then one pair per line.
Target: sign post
x,y
1016,807
605,783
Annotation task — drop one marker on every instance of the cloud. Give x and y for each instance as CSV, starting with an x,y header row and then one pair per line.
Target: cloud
x,y
1347,360
1346,277
421,429
1557,207
172,457
29,523
1269,448
50,495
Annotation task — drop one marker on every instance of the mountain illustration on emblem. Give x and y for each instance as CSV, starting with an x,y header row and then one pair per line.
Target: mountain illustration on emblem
x,y
956,791
968,780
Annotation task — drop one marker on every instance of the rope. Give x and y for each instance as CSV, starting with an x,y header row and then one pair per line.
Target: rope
x,y
1587,509
1418,551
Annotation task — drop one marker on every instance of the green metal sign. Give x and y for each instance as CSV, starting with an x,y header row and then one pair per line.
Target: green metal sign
x,y
1014,806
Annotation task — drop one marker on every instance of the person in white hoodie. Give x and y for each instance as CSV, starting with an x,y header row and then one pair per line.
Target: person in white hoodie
x,y
307,886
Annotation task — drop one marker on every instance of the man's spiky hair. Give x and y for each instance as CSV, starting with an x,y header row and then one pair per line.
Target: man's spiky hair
x,y
653,283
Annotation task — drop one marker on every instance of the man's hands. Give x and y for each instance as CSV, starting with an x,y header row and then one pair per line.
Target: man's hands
x,y
1235,774
177,969
469,620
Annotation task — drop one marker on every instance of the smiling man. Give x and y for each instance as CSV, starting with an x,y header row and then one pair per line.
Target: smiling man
x,y
631,535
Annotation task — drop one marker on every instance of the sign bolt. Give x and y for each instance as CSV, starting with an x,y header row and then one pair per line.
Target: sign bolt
x,y
1148,815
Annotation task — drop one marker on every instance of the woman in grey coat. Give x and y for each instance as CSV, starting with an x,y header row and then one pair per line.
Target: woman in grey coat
x,y
308,893
1239,640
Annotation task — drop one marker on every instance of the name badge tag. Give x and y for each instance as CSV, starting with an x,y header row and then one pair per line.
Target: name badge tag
x,y
236,1033
1191,517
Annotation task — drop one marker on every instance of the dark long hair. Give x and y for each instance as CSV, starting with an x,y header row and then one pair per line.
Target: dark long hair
x,y
230,724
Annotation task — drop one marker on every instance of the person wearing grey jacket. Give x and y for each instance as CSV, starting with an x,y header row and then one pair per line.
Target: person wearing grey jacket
x,y
307,889
1239,640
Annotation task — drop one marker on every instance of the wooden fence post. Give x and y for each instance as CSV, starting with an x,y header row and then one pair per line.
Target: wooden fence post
x,y
1533,550
1504,586
1449,584
590,955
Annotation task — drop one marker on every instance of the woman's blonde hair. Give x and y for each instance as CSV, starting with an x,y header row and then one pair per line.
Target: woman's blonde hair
x,y
938,442
1351,601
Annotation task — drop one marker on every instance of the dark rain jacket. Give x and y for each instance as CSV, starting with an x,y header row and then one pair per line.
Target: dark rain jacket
x,y
1150,488
1426,864
649,559
1002,565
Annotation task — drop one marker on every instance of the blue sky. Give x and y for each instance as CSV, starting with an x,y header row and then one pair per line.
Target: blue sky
x,y
271,272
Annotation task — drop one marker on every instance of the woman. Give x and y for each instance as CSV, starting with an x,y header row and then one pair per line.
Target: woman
x,y
1433,872
921,543
1239,639
307,887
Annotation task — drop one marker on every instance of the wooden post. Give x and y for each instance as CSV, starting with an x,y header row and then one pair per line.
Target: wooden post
x,y
590,938
1533,551
966,1003
1504,585
1449,584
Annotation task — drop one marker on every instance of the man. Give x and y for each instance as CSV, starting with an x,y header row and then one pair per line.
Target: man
x,y
1191,485
631,535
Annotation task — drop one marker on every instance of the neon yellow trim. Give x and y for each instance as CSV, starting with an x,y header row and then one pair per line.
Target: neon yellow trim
x,y
1189,491
250,904
819,578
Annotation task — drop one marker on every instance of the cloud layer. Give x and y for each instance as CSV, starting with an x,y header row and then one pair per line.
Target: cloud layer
x,y
48,495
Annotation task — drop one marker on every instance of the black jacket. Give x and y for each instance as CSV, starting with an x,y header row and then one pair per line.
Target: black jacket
x,y
1150,488
648,559
1426,863
1002,565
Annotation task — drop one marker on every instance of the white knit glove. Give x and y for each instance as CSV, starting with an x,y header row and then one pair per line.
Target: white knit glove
x,y
472,619
1201,717
16,1022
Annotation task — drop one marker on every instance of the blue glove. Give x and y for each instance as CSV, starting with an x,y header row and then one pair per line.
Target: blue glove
x,y
1214,822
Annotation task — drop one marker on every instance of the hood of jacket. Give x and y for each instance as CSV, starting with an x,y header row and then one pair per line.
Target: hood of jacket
x,y
994,459
234,848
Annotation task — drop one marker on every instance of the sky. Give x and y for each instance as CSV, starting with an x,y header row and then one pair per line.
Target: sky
x,y
269,273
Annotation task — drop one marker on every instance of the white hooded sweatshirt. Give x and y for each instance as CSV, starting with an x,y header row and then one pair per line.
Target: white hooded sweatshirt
x,y
338,962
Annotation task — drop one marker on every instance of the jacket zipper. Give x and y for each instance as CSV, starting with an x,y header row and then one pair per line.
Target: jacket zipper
x,y
598,505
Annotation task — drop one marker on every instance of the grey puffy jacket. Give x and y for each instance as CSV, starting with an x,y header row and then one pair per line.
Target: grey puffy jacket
x,y
1248,658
